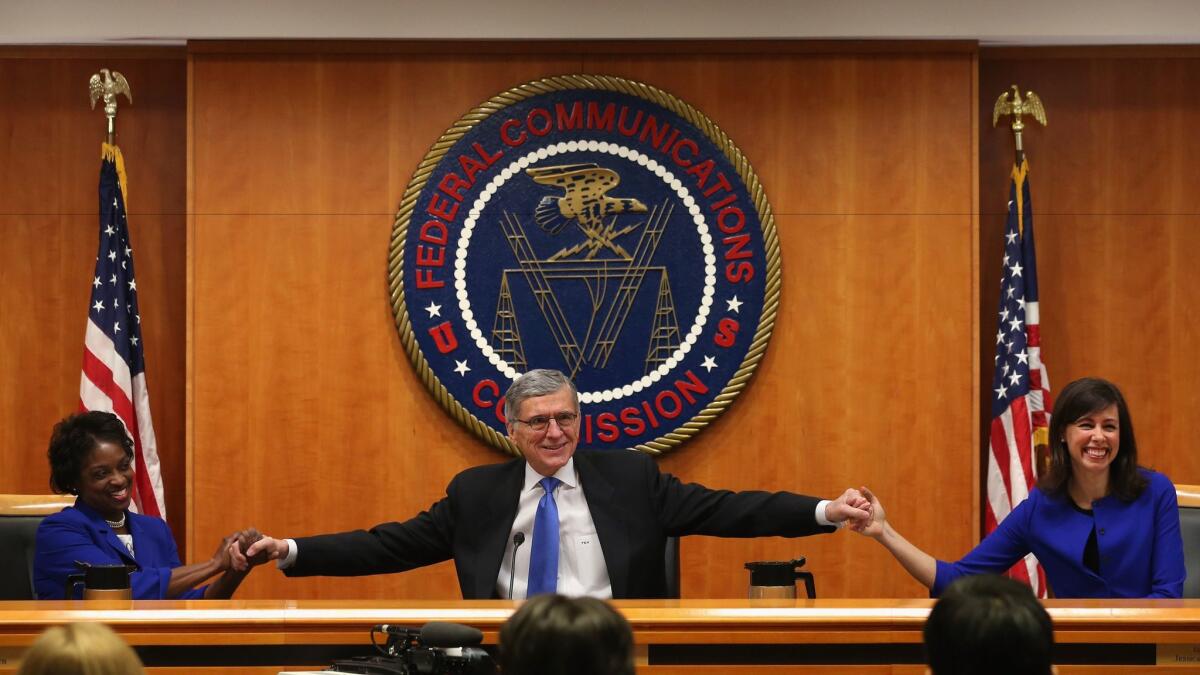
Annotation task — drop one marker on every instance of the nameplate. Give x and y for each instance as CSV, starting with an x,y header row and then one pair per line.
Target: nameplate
x,y
10,657
1177,654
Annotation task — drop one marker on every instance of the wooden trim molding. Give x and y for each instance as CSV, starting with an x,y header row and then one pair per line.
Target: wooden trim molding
x,y
1189,496
33,505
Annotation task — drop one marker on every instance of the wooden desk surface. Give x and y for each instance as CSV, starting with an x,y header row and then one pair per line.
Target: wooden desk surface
x,y
656,624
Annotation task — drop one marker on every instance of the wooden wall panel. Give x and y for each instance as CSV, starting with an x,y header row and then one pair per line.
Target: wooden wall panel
x,y
1116,224
307,416
863,159
50,145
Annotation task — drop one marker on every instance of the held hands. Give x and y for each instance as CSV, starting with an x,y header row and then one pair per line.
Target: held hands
x,y
874,526
851,507
267,548
230,556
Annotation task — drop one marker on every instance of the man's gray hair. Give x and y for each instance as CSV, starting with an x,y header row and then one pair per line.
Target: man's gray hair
x,y
537,382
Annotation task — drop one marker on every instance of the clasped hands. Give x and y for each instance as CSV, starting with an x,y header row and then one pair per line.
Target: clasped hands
x,y
853,507
874,525
234,552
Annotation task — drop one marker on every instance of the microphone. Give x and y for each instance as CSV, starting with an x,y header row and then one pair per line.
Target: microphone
x,y
446,635
518,539
389,629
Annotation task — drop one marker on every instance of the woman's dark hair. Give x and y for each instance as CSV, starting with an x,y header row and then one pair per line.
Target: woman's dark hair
x,y
74,439
1079,398
988,624
555,635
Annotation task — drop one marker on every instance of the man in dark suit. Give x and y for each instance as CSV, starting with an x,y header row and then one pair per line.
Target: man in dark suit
x,y
597,520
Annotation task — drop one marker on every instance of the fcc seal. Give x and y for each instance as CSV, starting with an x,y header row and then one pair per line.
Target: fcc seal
x,y
594,225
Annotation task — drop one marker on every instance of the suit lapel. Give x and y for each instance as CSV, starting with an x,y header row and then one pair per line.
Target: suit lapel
x,y
494,526
614,537
106,533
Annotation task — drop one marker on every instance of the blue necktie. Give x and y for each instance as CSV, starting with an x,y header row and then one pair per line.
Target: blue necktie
x,y
543,558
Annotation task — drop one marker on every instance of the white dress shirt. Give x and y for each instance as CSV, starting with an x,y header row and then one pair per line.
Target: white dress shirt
x,y
581,567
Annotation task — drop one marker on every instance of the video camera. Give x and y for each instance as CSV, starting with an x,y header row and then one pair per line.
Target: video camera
x,y
438,648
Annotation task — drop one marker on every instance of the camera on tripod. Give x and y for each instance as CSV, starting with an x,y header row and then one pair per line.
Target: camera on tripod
x,y
438,648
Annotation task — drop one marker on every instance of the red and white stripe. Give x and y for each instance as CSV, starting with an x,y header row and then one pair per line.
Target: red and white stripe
x,y
1012,468
106,385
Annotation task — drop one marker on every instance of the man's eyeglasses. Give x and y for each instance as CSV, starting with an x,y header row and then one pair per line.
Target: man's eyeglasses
x,y
564,420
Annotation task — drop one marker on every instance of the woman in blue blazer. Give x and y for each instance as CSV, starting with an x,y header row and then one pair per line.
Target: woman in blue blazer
x,y
91,456
1101,526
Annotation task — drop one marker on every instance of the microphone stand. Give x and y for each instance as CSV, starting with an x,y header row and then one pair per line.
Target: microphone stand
x,y
518,539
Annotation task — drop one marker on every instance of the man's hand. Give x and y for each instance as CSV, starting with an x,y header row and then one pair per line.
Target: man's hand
x,y
267,548
851,506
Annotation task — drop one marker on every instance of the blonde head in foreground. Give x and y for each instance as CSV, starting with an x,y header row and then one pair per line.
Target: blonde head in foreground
x,y
80,649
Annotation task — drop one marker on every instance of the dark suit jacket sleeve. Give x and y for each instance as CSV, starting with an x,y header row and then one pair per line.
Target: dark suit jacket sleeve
x,y
391,547
689,508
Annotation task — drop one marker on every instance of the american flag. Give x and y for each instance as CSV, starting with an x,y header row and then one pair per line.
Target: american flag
x,y
1020,387
114,366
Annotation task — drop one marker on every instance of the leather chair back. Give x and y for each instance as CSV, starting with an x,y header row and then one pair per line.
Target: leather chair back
x,y
20,516
672,567
1189,525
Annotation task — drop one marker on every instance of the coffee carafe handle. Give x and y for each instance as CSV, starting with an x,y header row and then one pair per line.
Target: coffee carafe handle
x,y
73,582
810,585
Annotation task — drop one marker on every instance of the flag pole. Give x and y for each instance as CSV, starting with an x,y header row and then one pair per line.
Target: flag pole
x,y
113,377
1017,435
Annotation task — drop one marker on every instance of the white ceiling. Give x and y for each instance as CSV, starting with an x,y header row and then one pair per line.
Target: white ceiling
x,y
1030,22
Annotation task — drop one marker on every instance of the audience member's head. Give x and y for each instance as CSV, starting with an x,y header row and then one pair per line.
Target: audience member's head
x,y
80,649
555,635
989,624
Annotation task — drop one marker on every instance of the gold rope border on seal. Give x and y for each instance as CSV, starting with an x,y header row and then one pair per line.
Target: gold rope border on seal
x,y
766,218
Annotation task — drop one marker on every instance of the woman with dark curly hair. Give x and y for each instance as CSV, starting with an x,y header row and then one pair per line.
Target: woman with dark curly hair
x,y
91,456
1101,526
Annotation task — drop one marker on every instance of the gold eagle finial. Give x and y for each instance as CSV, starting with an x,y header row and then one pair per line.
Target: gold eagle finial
x,y
108,88
1031,105
586,203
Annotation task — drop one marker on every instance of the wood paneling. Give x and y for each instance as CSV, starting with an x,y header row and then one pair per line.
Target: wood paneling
x,y
1117,221
50,145
307,416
